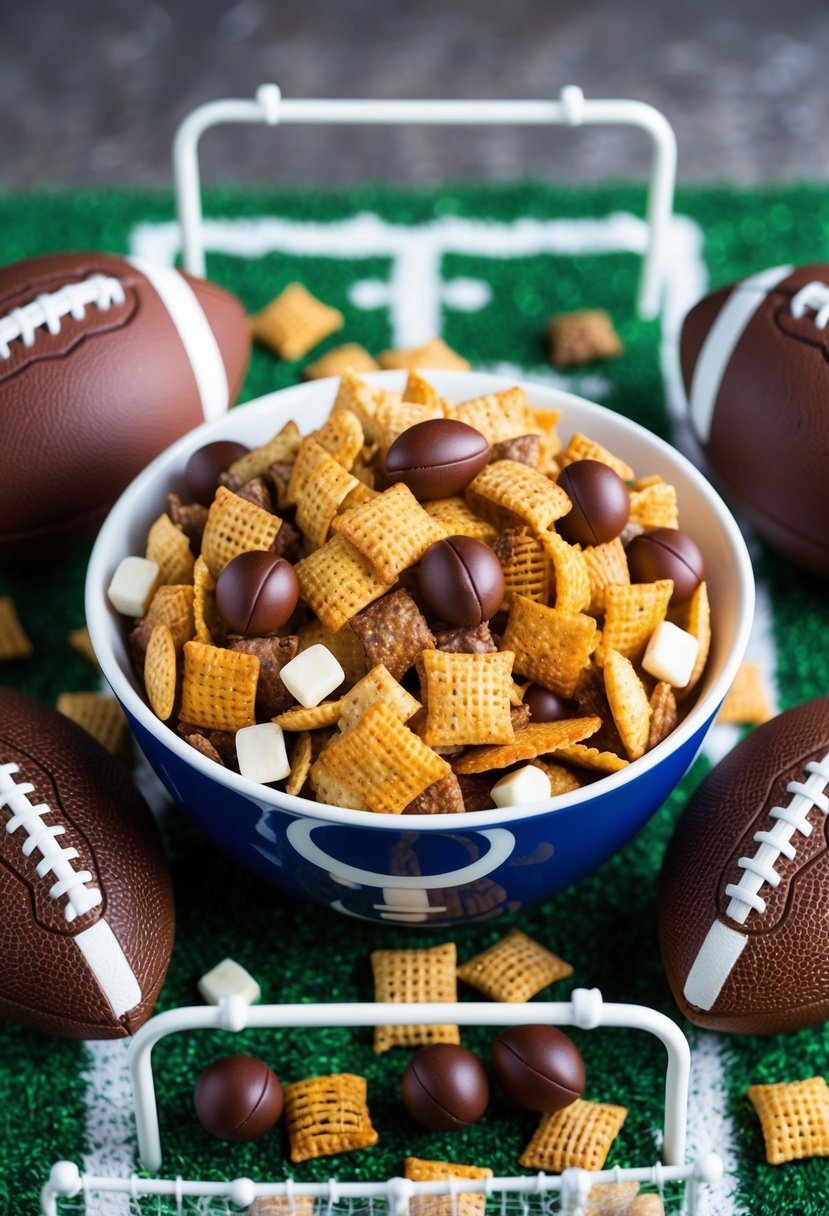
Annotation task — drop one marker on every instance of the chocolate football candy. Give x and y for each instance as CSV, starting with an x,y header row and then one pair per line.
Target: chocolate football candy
x,y
461,580
667,553
257,592
104,362
538,1067
601,503
755,362
201,474
86,903
445,1087
238,1098
437,458
744,886
545,706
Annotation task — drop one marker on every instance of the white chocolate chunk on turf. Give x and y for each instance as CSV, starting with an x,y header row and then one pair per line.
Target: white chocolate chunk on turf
x,y
261,753
312,675
527,784
133,585
228,978
671,654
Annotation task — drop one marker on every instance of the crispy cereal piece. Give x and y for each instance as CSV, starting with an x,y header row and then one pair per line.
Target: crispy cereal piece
x,y
283,1205
342,436
498,416
591,758
172,605
310,456
467,697
327,1115
378,685
313,717
336,581
747,701
219,688
272,697
582,336
442,797
525,449
169,547
330,789
458,1203
514,969
509,494
280,448
204,747
321,497
345,646
551,647
632,612
432,354
562,779
525,564
14,644
393,632
392,531
235,526
537,739
579,1135
395,417
351,357
456,519
606,564
361,399
571,576
695,618
420,391
160,671
300,763
466,640
384,762
794,1117
581,447
654,506
628,703
663,714
208,625
80,641
101,717
294,321
416,977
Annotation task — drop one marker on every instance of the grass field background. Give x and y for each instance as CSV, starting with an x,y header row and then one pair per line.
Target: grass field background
x,y
65,1100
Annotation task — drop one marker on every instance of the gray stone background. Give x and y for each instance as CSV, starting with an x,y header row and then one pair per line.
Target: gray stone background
x,y
91,90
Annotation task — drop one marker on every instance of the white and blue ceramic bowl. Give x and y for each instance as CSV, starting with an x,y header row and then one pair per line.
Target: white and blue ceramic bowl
x,y
424,869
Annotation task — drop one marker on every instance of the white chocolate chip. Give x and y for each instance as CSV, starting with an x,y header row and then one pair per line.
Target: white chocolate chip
x,y
228,978
671,654
312,675
527,784
133,585
260,750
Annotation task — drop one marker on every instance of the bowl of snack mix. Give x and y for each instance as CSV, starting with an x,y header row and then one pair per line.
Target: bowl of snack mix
x,y
424,648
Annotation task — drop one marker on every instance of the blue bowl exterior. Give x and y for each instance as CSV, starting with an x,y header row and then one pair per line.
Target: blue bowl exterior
x,y
408,877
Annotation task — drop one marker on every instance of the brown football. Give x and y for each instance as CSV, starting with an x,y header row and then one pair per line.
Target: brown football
x,y
755,362
743,912
104,362
86,905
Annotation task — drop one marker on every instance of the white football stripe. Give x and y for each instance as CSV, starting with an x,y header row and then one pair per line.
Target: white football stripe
x,y
197,337
105,958
719,345
717,957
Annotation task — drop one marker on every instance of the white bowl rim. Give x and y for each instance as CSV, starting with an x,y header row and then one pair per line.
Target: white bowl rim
x,y
97,609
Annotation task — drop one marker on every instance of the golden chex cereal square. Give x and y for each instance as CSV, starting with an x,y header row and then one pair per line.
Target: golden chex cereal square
x,y
314,717
169,547
351,357
456,519
101,717
344,645
295,321
514,969
619,1199
432,354
509,493
526,566
172,605
422,392
591,758
664,714
392,531
361,399
579,1135
235,526
300,763
219,688
467,697
327,1115
551,647
632,612
695,617
378,685
331,790
654,506
208,625
336,581
320,497
280,449
310,455
395,417
415,977
747,701
457,1203
160,671
628,703
794,1117
79,640
571,578
498,416
537,739
582,448
606,564
342,436
14,643
384,762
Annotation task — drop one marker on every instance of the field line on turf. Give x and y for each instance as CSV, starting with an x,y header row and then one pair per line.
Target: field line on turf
x,y
109,1126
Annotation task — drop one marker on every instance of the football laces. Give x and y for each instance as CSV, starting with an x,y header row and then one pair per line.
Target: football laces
x,y
49,309
814,297
71,884
793,818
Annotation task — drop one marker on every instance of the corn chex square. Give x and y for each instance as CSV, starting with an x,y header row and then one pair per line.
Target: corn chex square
x,y
606,564
295,321
628,703
536,739
415,977
457,1203
169,548
747,700
172,605
219,688
310,456
208,625
435,354
361,399
508,494
581,447
654,506
514,969
526,566
327,1115
321,497
395,417
337,581
498,416
235,526
378,685
467,697
551,647
632,612
392,531
382,761
422,392
280,448
794,1117
342,436
351,357
579,1135
456,519
571,578
695,617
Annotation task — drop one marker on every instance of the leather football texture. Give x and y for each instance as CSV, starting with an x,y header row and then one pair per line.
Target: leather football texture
x,y
104,362
86,903
743,910
755,363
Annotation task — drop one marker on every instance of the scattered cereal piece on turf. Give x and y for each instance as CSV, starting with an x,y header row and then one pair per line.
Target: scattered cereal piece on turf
x,y
794,1117
514,969
432,354
582,336
417,977
327,1115
747,700
579,1135
348,358
458,1203
14,643
294,322
102,717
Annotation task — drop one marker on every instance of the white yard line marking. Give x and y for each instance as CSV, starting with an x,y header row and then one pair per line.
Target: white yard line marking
x,y
109,1128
